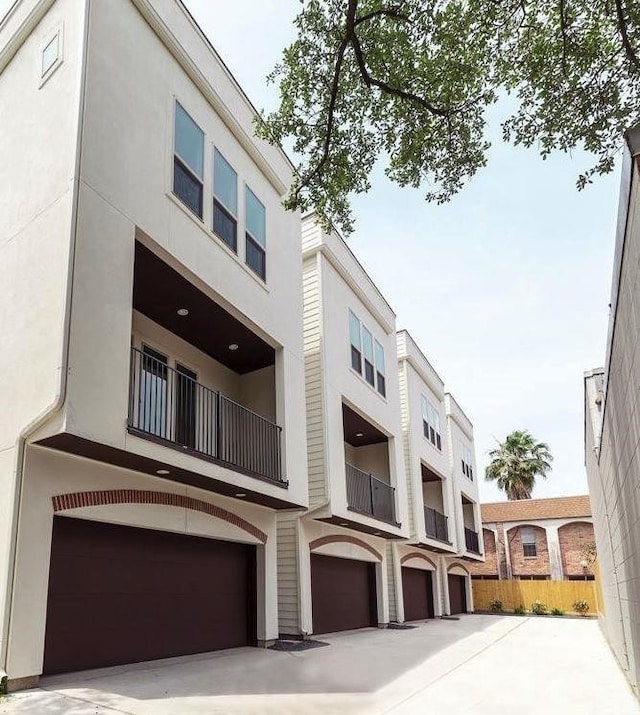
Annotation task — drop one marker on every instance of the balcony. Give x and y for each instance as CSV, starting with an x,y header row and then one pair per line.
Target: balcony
x,y
436,525
169,406
369,495
471,540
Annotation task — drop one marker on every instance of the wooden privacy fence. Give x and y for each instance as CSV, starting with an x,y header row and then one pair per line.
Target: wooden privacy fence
x,y
554,594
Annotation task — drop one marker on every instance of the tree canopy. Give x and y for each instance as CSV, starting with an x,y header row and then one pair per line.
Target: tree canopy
x,y
517,462
411,81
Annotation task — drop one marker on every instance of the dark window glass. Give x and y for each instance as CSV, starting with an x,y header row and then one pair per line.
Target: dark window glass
x,y
471,473
256,258
432,435
382,385
224,225
356,360
368,372
438,441
529,549
425,428
187,188
153,393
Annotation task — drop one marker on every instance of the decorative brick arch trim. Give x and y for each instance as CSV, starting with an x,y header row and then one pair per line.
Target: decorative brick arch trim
x,y
78,500
417,555
459,566
344,539
574,522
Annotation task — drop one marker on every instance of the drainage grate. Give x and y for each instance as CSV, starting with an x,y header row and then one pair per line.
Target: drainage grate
x,y
292,646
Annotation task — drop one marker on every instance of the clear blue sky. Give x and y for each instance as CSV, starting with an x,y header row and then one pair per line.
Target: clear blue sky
x,y
506,288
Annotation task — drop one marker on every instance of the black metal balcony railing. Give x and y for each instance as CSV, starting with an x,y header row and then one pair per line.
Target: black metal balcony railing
x,y
170,405
436,524
471,540
369,495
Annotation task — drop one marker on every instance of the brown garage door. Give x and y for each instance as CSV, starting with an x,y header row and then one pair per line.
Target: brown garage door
x,y
343,592
457,594
123,595
417,594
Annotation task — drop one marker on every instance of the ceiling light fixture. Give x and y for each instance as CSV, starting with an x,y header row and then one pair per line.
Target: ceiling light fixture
x,y
344,523
233,347
162,471
359,434
182,312
240,495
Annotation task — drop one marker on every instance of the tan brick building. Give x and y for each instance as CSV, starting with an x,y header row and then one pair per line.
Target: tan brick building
x,y
536,539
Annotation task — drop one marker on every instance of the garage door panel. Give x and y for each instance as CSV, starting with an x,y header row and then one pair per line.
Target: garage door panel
x,y
417,593
457,594
343,594
143,595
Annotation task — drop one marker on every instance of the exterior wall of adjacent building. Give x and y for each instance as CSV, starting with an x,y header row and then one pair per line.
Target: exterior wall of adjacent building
x,y
560,549
612,434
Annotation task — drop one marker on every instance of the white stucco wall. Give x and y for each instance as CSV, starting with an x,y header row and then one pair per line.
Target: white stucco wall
x,y
126,191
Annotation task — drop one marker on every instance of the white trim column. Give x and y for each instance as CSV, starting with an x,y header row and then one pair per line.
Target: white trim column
x,y
553,546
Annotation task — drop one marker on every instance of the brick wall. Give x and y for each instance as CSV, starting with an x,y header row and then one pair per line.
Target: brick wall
x,y
490,565
573,538
529,566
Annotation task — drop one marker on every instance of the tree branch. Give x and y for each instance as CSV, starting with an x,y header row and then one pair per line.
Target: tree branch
x,y
392,12
626,42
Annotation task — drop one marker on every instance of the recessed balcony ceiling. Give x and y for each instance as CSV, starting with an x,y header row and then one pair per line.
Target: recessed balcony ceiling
x,y
357,431
428,475
159,292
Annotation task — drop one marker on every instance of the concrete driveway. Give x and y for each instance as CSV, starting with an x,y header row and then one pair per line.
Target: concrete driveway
x,y
481,665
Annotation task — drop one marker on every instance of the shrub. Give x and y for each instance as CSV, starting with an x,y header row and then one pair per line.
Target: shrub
x,y
496,606
557,612
3,687
538,608
519,610
581,607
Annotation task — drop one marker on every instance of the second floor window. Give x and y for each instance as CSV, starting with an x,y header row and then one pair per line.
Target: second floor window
x,y
188,161
225,201
528,538
367,355
256,253
431,423
467,462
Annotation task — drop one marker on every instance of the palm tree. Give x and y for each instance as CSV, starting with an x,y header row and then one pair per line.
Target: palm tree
x,y
516,463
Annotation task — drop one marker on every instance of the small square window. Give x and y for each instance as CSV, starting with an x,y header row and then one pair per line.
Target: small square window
x,y
50,55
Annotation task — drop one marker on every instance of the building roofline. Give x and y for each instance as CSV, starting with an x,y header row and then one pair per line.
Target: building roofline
x,y
312,216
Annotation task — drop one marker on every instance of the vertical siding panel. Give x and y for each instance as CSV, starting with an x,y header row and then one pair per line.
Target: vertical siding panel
x,y
288,589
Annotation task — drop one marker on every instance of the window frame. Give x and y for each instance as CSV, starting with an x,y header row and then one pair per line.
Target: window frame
x,y
529,546
431,423
252,240
375,378
184,166
45,74
217,202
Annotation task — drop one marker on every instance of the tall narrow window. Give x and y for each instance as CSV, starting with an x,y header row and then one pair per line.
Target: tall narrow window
x,y
256,255
528,538
356,343
225,201
367,349
188,161
467,462
431,423
380,369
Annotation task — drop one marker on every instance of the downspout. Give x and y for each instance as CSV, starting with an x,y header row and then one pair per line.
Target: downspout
x,y
57,403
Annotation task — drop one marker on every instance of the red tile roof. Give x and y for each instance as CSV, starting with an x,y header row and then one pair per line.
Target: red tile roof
x,y
529,509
